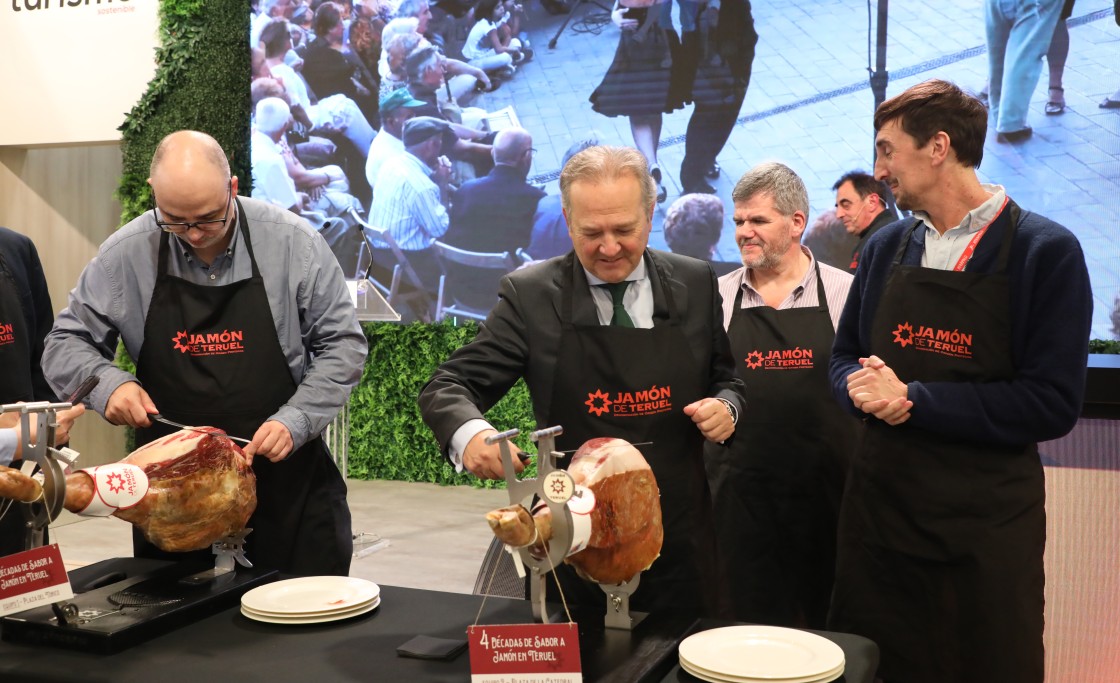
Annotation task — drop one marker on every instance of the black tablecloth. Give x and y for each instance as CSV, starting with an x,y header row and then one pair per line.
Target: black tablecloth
x,y
233,647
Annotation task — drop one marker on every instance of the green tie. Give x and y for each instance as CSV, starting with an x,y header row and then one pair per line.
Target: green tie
x,y
618,289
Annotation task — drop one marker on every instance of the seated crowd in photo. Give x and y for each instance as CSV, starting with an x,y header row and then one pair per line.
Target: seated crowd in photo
x,y
334,87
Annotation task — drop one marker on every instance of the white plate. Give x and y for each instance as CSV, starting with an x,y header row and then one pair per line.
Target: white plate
x,y
765,652
321,619
713,677
321,613
308,595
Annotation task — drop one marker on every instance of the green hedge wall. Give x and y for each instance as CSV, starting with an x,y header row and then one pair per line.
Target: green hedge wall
x,y
201,83
388,440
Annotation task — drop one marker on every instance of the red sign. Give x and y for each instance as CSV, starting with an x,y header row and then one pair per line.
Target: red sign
x,y
32,579
525,653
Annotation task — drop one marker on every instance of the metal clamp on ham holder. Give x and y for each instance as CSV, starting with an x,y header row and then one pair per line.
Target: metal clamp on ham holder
x,y
554,487
51,462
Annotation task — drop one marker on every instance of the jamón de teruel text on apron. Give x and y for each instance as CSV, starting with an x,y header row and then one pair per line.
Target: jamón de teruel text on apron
x,y
776,489
211,356
941,539
633,384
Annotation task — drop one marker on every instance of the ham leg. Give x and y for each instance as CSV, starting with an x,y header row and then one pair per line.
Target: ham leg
x,y
199,489
626,532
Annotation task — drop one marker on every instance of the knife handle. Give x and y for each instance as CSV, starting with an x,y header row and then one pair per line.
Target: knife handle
x,y
83,389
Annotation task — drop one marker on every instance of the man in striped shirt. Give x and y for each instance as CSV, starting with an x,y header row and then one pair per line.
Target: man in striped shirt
x,y
412,195
777,487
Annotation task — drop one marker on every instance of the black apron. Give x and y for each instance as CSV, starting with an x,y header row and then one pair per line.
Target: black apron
x,y
941,539
15,385
777,487
302,522
15,342
616,361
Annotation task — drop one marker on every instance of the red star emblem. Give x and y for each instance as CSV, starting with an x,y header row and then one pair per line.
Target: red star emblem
x,y
115,483
754,360
904,334
598,403
179,339
558,486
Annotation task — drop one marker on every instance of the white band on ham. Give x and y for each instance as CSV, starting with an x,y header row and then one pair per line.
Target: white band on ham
x,y
616,514
581,504
117,486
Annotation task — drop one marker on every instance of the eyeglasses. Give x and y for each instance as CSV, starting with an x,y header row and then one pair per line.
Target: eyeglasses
x,y
210,225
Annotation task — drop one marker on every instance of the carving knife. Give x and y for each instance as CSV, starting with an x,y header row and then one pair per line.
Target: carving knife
x,y
160,418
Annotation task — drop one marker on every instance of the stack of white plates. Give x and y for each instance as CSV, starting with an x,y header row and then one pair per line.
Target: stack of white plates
x,y
761,654
311,600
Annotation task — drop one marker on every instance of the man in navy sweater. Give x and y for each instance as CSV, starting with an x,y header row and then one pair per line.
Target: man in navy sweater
x,y
963,343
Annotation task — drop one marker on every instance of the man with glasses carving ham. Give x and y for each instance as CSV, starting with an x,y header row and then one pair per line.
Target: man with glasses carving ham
x,y
237,315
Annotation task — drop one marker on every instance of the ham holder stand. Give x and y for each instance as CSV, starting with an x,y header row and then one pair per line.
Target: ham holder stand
x,y
124,601
555,488
50,461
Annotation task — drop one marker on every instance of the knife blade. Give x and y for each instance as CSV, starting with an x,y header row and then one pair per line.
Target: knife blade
x,y
160,418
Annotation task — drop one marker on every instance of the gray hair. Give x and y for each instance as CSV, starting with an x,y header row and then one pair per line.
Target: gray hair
x,y
777,180
417,69
593,139
411,8
398,48
399,26
272,115
601,163
693,225
268,5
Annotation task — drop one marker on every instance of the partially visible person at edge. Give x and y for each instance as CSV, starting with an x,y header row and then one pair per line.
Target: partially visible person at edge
x,y
557,325
205,264
861,204
11,450
776,491
26,316
963,343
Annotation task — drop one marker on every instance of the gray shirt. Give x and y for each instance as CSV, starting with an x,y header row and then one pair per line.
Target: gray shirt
x,y
315,318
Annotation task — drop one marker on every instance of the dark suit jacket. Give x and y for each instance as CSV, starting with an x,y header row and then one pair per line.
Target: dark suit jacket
x,y
22,262
885,218
521,339
550,230
493,213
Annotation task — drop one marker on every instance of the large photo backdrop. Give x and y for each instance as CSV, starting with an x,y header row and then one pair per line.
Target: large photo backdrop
x,y
808,104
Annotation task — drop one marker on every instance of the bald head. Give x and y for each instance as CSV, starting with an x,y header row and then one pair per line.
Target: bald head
x,y
199,151
512,148
190,177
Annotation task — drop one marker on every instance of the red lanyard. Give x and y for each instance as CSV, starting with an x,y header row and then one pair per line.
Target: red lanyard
x,y
967,255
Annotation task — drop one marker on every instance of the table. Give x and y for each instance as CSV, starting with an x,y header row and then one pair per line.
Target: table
x,y
233,647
